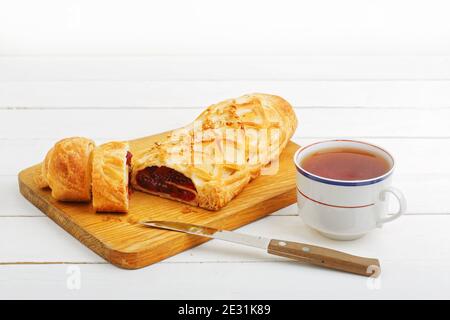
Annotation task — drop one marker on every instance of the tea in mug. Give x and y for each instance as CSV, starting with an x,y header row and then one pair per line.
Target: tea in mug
x,y
345,164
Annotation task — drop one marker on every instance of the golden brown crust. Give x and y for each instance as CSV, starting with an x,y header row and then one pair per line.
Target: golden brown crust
x,y
225,147
40,177
110,177
67,169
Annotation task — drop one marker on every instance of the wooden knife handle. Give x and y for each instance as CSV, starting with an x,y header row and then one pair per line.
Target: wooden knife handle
x,y
324,257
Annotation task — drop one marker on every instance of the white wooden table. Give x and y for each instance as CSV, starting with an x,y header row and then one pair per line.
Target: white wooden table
x,y
399,102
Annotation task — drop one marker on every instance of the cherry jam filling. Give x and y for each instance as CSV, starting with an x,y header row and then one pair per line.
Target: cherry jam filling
x,y
129,156
166,180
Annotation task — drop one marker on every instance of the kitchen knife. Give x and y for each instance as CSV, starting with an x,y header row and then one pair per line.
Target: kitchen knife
x,y
320,256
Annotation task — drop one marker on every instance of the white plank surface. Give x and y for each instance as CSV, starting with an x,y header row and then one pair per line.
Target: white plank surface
x,y
396,241
399,102
128,124
267,280
222,270
224,68
321,27
182,94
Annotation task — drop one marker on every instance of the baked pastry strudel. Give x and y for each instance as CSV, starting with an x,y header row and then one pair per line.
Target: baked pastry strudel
x,y
67,170
110,176
208,162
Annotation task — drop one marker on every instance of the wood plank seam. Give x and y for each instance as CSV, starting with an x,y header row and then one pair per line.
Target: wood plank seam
x,y
269,260
262,79
270,215
125,108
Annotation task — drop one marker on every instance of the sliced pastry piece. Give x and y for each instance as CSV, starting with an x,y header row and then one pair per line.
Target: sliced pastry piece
x,y
67,170
210,161
110,176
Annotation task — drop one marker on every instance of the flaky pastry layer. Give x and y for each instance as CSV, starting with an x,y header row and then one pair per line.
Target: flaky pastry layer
x,y
110,177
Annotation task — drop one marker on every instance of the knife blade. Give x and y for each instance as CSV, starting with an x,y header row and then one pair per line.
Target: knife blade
x,y
230,236
316,255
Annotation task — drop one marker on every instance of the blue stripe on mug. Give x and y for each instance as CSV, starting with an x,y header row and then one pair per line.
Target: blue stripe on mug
x,y
341,182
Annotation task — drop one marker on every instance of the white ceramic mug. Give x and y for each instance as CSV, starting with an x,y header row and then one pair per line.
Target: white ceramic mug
x,y
341,209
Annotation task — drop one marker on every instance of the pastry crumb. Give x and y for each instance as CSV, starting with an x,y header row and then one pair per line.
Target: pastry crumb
x,y
187,209
110,218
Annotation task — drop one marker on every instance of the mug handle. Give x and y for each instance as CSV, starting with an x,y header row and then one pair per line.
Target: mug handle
x,y
401,200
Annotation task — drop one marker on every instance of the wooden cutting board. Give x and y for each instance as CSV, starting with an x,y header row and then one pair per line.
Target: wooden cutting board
x,y
121,240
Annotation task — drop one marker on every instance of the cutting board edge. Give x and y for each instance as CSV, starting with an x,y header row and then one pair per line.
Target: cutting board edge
x,y
60,218
142,258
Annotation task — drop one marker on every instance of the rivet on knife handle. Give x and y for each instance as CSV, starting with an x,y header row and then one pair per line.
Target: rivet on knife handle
x,y
325,257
